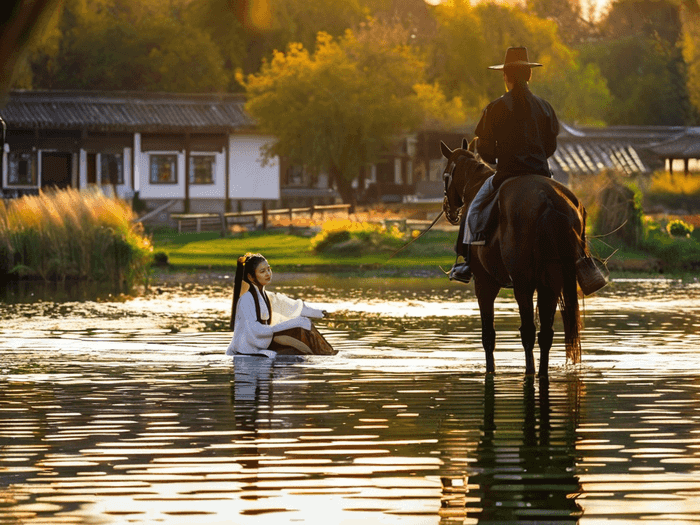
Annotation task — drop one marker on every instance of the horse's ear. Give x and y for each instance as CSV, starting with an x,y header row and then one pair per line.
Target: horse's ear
x,y
465,144
446,152
472,145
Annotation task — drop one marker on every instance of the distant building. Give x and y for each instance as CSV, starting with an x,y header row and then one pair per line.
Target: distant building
x,y
200,151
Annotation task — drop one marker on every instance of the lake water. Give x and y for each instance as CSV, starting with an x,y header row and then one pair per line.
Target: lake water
x,y
126,411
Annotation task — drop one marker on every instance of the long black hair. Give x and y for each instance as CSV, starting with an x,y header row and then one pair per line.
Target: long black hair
x,y
246,266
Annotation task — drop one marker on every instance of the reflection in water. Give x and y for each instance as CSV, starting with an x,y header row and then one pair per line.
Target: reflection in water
x,y
524,468
129,413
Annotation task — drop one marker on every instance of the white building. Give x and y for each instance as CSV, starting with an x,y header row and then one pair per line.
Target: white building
x,y
201,151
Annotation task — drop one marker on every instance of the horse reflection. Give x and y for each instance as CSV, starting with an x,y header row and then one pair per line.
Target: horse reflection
x,y
525,466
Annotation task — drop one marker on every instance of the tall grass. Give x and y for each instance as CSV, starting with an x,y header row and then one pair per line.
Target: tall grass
x,y
674,192
62,234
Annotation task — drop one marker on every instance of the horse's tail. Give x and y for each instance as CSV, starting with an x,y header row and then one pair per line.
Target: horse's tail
x,y
561,245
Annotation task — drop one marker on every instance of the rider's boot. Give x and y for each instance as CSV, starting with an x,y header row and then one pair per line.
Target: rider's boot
x,y
460,271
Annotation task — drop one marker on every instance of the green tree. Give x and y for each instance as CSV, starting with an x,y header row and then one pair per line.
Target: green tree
x,y
577,91
125,45
338,108
690,17
641,58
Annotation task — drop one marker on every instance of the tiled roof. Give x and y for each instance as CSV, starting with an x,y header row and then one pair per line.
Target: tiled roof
x,y
619,148
593,157
125,111
684,145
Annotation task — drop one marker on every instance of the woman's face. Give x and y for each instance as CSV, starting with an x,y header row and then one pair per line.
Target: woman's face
x,y
263,273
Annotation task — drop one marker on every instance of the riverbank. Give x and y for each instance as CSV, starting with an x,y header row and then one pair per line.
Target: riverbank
x,y
191,255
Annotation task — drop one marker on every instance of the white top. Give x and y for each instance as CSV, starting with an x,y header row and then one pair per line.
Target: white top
x,y
251,337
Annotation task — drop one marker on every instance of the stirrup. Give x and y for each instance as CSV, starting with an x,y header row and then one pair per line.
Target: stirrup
x,y
460,272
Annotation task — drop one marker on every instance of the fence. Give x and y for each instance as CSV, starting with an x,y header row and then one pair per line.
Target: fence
x,y
221,221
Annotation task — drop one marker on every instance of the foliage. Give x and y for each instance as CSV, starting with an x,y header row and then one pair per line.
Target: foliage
x,y
578,91
346,237
674,191
639,64
641,58
690,18
73,234
338,108
121,45
679,228
678,253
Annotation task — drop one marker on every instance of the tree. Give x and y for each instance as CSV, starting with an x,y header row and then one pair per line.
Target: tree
x,y
338,108
125,45
470,39
690,16
641,58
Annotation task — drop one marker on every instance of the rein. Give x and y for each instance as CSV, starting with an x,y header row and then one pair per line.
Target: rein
x,y
443,212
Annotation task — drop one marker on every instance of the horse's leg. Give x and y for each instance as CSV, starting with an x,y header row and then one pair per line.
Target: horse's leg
x,y
547,306
486,292
523,295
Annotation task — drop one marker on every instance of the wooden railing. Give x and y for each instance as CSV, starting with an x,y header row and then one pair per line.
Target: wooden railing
x,y
221,221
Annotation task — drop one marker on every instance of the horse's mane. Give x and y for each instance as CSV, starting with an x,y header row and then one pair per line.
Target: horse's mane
x,y
476,176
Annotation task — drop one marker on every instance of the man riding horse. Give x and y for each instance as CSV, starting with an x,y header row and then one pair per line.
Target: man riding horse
x,y
517,132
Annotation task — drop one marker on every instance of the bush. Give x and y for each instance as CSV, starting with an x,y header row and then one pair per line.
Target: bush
x,y
345,237
677,252
68,233
679,228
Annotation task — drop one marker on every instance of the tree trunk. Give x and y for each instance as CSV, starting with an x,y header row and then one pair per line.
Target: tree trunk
x,y
344,186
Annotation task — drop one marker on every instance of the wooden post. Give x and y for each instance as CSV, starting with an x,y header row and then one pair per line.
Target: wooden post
x,y
222,218
187,175
227,171
264,215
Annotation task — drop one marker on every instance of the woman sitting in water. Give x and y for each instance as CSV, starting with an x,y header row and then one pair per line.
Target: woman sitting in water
x,y
268,323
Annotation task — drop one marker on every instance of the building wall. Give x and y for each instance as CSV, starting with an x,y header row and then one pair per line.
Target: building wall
x,y
250,179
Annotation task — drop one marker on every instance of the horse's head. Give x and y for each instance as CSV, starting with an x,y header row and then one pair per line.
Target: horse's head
x,y
461,164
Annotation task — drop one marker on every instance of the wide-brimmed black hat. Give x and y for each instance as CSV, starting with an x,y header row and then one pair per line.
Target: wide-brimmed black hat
x,y
516,56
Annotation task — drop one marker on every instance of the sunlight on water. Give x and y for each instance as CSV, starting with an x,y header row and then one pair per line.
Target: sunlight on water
x,y
127,412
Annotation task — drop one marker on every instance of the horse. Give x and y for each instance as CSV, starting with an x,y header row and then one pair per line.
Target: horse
x,y
538,238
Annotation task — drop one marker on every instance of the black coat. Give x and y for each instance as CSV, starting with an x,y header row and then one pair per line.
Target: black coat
x,y
518,132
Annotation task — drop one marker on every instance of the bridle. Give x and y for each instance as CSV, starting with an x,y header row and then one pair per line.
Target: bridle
x,y
452,215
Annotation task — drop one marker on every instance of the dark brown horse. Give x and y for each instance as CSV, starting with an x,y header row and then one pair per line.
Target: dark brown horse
x,y
534,247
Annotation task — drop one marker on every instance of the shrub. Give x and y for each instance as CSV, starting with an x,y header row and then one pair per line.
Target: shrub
x,y
62,234
679,228
677,252
345,237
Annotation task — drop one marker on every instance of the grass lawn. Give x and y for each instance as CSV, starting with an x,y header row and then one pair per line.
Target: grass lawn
x,y
289,252
292,252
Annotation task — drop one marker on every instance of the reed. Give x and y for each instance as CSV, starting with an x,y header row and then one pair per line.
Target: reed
x,y
62,234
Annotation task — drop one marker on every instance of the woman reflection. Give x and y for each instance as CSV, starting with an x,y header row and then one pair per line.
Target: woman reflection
x,y
267,323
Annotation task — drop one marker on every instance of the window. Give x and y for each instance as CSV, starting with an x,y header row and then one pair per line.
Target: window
x,y
111,168
163,169
21,169
202,169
